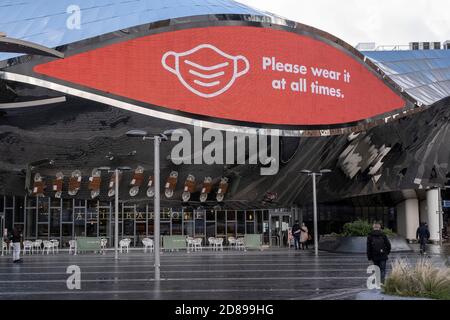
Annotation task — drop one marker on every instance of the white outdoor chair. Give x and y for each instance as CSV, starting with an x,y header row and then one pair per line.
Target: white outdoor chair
x,y
211,242
37,245
27,247
190,244
55,245
218,243
240,244
73,246
48,246
148,243
103,244
124,244
198,244
232,242
5,247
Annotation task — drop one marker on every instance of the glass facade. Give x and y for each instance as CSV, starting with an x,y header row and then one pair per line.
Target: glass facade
x,y
47,218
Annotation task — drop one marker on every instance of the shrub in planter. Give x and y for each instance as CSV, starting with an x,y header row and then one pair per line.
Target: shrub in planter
x,y
422,280
334,235
361,228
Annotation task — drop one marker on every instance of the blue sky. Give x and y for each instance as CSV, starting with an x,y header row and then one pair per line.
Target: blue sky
x,y
385,22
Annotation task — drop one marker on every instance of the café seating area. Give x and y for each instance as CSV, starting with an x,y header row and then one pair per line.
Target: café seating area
x,y
30,247
192,244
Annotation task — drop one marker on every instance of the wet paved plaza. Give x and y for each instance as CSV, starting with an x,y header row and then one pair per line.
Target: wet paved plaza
x,y
228,275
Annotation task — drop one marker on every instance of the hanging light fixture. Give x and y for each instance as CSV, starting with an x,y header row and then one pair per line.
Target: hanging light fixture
x,y
270,197
137,181
58,185
206,189
112,182
95,181
189,188
171,184
150,188
75,183
223,188
38,186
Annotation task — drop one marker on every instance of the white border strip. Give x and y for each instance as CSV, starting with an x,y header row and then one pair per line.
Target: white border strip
x,y
141,110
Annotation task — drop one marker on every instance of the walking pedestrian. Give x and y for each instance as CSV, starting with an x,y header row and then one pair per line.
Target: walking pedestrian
x,y
296,235
423,234
378,249
304,236
16,239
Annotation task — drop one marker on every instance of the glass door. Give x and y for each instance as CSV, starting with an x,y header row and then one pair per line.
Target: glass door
x,y
285,224
275,231
141,233
128,225
141,224
279,227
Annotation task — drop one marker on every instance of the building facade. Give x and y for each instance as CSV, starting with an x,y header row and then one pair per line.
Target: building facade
x,y
379,120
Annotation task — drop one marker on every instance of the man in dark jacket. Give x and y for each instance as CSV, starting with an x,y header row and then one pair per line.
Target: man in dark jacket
x,y
296,235
423,234
378,249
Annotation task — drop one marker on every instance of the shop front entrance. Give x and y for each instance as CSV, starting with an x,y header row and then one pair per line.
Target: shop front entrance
x,y
279,225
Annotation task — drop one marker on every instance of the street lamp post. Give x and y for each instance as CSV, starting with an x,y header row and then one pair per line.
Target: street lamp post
x,y
156,204
316,231
116,216
157,234
440,213
116,203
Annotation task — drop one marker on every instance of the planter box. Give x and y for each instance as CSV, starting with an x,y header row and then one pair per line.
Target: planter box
x,y
378,295
359,244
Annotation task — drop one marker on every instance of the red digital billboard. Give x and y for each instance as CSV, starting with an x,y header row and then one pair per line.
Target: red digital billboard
x,y
239,73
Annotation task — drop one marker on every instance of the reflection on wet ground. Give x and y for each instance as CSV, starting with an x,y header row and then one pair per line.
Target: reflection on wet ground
x,y
255,275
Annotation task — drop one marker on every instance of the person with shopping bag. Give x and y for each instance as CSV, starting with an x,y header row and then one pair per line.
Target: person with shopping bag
x,y
304,236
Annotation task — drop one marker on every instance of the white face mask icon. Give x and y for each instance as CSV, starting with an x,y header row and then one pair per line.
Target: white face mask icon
x,y
205,70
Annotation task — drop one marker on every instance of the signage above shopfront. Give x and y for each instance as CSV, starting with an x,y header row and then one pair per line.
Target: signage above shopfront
x,y
235,73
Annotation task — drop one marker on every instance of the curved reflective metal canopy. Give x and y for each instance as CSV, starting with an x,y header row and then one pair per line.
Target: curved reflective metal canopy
x,y
21,46
55,24
424,74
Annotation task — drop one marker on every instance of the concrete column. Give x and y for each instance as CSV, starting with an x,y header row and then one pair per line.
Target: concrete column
x,y
408,218
433,211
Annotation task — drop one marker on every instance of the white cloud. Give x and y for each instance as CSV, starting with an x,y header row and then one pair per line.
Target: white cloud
x,y
385,22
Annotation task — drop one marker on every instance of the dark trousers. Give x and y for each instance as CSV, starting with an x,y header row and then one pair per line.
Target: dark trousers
x,y
423,245
382,265
297,243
